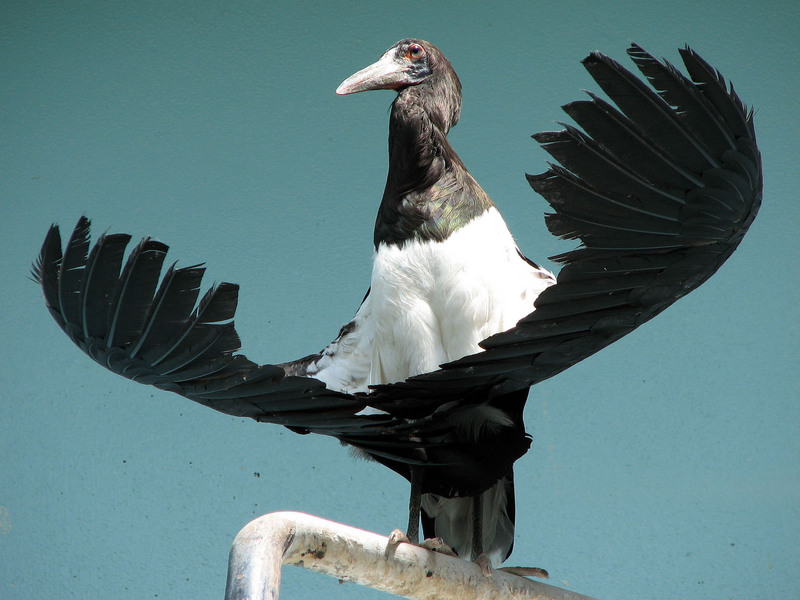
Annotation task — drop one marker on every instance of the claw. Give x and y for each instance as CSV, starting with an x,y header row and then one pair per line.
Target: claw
x,y
485,563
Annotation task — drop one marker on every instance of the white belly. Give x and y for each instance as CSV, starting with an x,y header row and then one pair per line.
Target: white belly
x,y
433,302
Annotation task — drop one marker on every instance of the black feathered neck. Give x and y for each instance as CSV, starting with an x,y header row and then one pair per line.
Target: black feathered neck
x,y
429,193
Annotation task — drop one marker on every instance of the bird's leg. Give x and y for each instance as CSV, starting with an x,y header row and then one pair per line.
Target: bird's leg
x,y
411,535
478,557
481,559
477,527
414,505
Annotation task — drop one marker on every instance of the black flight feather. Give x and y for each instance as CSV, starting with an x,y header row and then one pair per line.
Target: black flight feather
x,y
133,294
70,276
694,110
46,269
175,299
101,275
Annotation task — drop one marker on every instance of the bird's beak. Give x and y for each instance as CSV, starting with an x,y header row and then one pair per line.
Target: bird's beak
x,y
387,73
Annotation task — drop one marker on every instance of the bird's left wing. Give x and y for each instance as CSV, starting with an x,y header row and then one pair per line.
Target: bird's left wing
x,y
159,334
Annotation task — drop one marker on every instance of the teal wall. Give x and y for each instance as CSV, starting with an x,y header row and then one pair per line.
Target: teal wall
x,y
664,467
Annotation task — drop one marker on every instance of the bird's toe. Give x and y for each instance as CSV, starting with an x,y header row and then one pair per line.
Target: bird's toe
x,y
396,538
438,545
527,572
485,563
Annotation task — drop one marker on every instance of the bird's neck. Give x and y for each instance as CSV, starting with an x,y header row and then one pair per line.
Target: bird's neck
x,y
429,193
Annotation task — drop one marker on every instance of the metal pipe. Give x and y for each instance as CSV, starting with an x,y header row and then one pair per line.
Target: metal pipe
x,y
350,554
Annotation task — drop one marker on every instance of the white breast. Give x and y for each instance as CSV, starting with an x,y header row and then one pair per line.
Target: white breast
x,y
433,302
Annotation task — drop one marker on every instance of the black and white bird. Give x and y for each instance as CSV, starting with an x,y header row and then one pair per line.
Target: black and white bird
x,y
431,376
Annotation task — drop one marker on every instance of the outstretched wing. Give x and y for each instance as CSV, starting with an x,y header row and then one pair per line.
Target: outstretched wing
x,y
659,191
161,335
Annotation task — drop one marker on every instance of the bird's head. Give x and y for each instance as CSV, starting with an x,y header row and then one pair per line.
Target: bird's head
x,y
419,70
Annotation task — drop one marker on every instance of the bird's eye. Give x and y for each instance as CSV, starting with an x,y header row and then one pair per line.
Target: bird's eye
x,y
415,51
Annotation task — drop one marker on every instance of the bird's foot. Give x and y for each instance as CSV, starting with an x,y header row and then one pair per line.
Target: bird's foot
x,y
438,545
485,563
396,538
527,572
433,544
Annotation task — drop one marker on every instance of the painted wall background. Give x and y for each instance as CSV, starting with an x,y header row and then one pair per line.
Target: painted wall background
x,y
666,466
